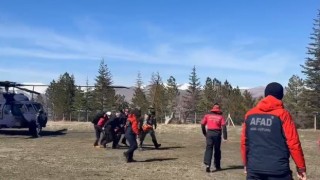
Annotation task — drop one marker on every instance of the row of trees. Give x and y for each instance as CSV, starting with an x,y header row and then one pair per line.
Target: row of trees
x,y
64,99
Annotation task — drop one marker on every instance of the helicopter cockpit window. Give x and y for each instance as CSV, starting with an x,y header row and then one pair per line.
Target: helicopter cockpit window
x,y
30,108
37,106
17,109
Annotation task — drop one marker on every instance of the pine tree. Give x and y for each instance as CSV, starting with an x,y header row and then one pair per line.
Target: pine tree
x,y
217,91
248,100
61,96
89,103
172,92
207,99
192,97
157,95
104,95
51,97
293,98
79,102
311,69
120,102
67,85
226,94
139,98
236,105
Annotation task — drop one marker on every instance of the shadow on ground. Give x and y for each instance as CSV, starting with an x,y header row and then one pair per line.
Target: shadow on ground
x,y
25,132
230,168
158,159
146,148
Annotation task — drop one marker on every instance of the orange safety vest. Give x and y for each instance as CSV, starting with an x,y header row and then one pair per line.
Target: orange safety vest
x,y
147,127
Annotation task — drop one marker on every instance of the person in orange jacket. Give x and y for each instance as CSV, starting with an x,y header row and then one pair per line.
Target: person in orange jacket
x,y
269,136
131,133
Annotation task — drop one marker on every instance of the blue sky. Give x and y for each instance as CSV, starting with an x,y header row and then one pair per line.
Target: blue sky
x,y
249,43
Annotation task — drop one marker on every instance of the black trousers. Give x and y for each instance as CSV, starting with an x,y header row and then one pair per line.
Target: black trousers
x,y
213,139
258,176
98,131
109,136
132,144
153,137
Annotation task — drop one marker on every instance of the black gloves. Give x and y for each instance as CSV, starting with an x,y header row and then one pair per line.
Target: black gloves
x,y
204,132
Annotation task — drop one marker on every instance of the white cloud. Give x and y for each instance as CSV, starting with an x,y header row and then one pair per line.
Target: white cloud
x,y
48,44
184,86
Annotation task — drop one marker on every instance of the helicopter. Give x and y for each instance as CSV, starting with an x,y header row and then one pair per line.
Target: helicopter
x,y
18,111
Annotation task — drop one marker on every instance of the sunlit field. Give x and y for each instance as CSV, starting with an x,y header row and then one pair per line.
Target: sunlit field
x,y
65,151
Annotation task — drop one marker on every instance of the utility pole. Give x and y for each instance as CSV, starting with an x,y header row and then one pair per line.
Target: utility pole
x,y
315,121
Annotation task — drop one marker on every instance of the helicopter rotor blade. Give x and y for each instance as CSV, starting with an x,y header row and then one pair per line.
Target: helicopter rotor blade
x,y
30,91
8,84
116,87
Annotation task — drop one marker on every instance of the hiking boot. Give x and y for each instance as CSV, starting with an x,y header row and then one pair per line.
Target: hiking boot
x,y
126,156
208,169
158,145
218,168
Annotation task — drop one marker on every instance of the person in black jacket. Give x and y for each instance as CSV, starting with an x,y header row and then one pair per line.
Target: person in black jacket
x,y
148,126
110,131
123,120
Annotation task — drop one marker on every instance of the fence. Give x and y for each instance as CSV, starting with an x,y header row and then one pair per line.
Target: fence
x,y
82,116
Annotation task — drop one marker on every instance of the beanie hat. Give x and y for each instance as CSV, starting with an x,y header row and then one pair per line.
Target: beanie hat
x,y
274,89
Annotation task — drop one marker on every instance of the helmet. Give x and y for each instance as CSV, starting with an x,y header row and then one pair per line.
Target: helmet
x,y
108,113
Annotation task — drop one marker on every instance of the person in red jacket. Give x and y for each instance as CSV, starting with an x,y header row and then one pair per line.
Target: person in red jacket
x,y
269,137
216,125
98,124
131,133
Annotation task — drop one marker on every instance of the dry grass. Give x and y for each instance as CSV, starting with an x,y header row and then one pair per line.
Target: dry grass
x,y
65,152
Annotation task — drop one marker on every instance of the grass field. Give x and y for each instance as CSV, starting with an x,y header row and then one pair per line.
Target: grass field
x,y
65,151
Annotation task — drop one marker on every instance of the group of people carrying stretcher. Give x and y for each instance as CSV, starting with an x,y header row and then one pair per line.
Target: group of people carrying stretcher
x,y
125,124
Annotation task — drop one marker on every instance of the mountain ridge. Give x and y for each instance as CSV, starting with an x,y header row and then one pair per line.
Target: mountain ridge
x,y
256,92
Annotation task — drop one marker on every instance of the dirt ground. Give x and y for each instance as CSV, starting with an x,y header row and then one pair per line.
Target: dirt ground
x,y
65,151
